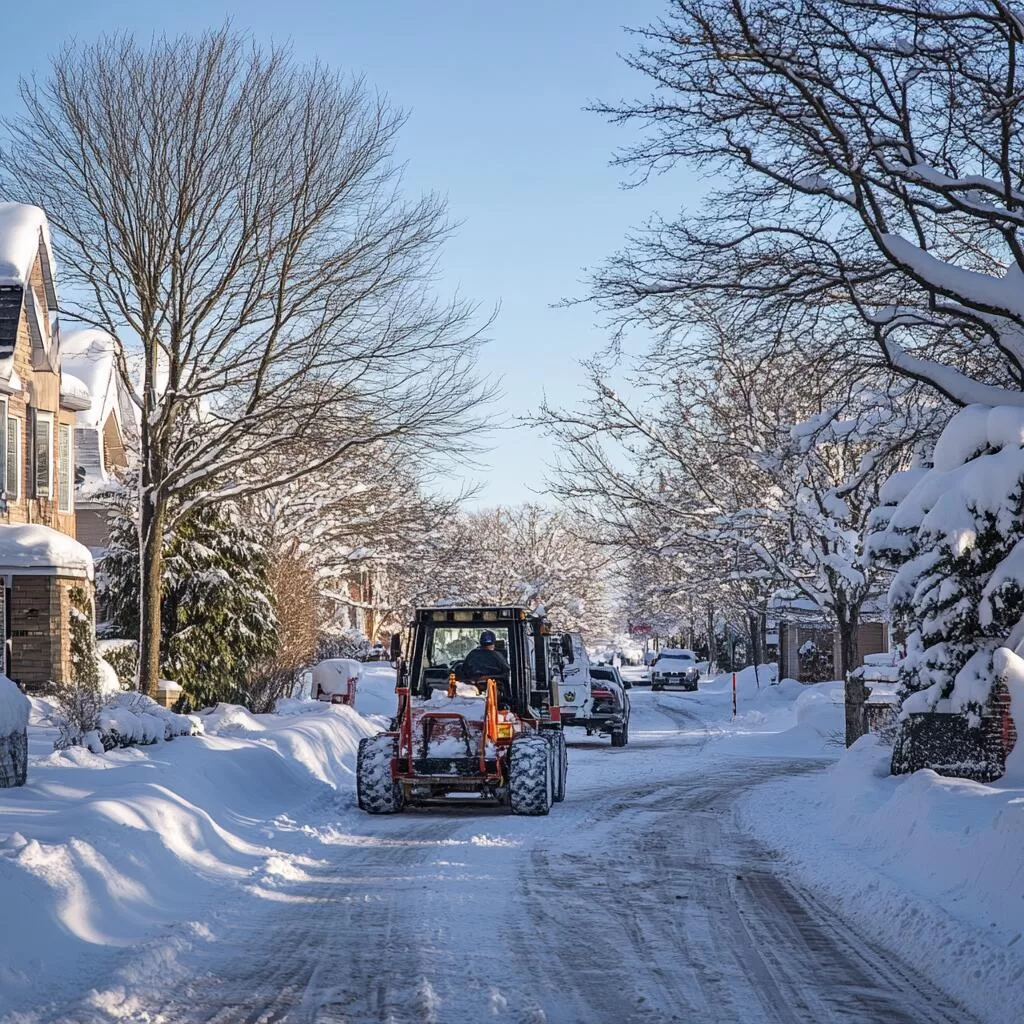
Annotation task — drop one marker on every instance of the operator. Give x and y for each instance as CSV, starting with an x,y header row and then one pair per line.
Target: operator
x,y
484,662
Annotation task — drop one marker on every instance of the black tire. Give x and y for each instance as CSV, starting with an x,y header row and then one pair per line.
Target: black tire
x,y
376,791
656,686
620,737
560,762
529,776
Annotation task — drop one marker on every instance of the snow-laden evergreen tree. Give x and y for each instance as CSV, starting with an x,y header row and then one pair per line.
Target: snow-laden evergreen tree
x,y
954,531
218,622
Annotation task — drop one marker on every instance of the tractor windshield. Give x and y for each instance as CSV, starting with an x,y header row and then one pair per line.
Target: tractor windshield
x,y
444,648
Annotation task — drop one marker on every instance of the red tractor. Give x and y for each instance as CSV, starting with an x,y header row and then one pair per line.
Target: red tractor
x,y
489,739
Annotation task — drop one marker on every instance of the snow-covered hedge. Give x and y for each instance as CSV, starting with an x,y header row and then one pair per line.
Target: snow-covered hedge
x,y
131,718
955,534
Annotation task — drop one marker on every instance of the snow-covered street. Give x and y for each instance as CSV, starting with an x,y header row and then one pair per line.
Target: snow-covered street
x,y
640,898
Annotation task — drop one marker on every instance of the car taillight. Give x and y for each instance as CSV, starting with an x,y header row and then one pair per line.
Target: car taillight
x,y
601,694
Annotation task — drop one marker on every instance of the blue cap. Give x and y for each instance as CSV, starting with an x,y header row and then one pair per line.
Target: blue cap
x,y
486,637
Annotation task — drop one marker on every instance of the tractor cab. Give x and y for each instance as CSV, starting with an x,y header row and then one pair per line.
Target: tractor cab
x,y
441,639
466,733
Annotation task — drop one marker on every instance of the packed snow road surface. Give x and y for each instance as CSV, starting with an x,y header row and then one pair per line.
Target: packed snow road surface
x,y
637,900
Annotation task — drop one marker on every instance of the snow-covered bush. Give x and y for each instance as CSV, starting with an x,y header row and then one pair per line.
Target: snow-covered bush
x,y
133,718
955,534
123,658
14,712
351,643
84,667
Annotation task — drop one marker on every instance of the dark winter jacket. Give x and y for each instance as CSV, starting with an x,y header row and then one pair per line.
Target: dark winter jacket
x,y
482,662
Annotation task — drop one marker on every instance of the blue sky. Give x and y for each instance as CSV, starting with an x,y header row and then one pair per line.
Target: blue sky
x,y
495,95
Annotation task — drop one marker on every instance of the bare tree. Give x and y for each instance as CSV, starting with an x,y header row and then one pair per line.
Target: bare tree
x,y
868,160
234,219
748,471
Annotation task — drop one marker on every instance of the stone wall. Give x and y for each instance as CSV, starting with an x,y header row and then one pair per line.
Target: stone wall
x,y
40,634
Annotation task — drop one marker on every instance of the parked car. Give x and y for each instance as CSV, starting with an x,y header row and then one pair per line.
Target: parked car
x,y
675,669
610,673
609,709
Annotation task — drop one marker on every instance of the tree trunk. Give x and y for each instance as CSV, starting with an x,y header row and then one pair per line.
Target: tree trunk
x,y
754,628
847,621
151,538
855,692
712,652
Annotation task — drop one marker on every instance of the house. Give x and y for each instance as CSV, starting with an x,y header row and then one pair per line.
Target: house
x,y
104,430
808,643
42,565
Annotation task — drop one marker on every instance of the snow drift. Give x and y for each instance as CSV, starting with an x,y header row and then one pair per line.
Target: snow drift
x,y
98,852
927,866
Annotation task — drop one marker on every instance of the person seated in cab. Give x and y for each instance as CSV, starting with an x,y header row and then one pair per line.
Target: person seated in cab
x,y
485,661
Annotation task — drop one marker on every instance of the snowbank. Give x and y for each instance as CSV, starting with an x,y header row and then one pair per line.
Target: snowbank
x,y
930,867
101,852
375,691
786,718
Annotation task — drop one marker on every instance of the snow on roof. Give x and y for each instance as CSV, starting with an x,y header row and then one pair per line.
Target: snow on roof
x,y
20,226
73,393
89,355
33,549
10,382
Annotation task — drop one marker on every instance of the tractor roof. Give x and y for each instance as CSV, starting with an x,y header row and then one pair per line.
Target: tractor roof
x,y
473,613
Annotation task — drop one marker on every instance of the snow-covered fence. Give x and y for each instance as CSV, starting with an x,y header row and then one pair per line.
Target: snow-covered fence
x,y
872,704
14,710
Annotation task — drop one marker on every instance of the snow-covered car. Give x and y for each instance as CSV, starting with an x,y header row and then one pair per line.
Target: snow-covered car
x,y
609,672
675,669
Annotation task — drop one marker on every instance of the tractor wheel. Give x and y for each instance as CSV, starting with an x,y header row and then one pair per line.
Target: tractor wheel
x,y
620,737
529,776
376,791
560,761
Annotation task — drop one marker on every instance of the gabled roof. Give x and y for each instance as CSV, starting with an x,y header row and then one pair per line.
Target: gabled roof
x,y
24,236
88,354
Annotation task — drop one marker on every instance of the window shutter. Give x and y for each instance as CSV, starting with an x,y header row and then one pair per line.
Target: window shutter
x,y
43,457
12,479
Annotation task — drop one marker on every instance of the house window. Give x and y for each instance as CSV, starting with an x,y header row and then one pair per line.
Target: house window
x,y
12,459
65,469
44,454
